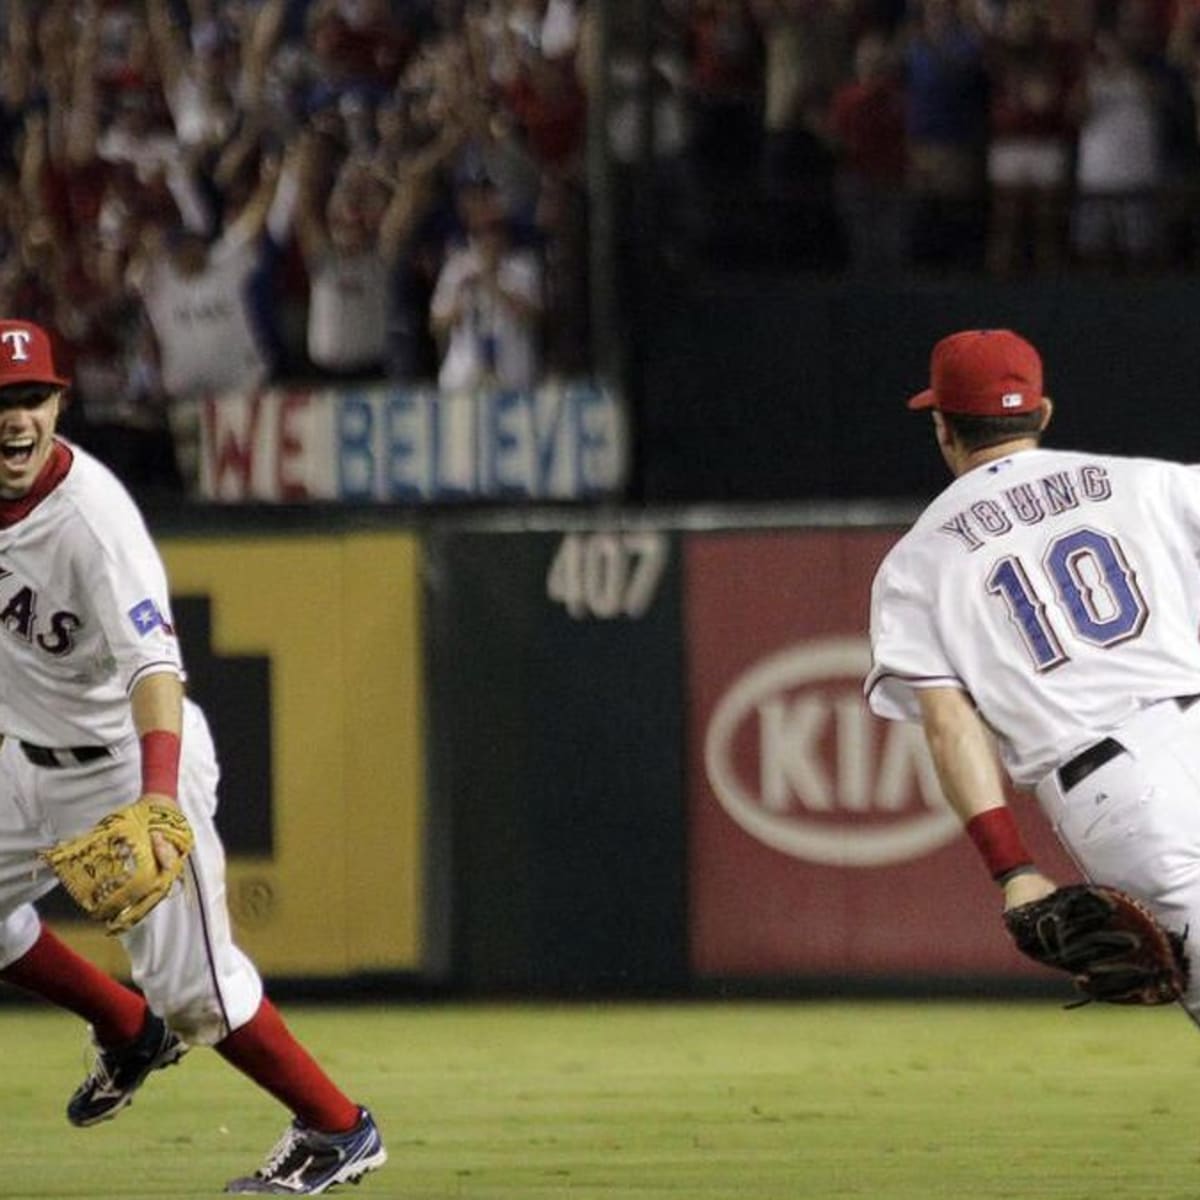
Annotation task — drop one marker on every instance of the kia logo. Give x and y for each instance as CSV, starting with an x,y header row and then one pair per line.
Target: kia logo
x,y
797,760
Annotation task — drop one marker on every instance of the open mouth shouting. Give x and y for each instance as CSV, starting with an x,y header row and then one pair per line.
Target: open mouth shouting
x,y
17,451
22,456
28,415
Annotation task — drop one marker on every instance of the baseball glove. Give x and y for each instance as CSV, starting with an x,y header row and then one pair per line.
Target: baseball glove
x,y
1109,942
111,870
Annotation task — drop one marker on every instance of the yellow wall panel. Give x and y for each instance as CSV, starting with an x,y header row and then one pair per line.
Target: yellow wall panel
x,y
384,782
339,619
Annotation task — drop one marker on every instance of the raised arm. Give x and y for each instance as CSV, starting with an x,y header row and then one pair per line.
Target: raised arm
x,y
249,223
408,204
309,222
170,49
83,119
265,29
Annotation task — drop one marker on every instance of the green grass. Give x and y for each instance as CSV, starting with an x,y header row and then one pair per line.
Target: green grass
x,y
734,1101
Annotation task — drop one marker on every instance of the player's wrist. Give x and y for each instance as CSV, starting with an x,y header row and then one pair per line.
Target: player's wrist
x,y
161,799
1016,872
1025,886
998,840
160,763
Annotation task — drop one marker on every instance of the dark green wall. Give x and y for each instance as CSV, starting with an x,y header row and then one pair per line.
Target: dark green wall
x,y
555,757
770,389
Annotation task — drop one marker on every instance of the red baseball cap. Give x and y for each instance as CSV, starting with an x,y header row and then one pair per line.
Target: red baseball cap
x,y
26,355
983,373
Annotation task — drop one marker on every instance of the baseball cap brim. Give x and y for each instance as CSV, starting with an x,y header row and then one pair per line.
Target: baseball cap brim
x,y
45,378
925,399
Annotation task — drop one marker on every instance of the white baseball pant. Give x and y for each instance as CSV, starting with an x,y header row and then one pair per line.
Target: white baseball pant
x,y
1134,822
182,955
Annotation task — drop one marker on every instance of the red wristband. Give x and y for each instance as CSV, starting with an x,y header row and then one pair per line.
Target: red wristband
x,y
998,841
160,763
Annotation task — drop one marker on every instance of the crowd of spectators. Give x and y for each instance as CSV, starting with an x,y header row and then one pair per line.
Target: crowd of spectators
x,y
1008,136
209,194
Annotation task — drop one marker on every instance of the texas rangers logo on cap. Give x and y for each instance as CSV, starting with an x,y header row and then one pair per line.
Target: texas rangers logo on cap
x,y
27,355
16,342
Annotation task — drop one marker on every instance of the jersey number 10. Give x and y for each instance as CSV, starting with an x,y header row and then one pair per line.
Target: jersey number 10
x,y
1096,588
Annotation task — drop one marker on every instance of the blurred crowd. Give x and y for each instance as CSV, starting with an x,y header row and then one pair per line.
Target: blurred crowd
x,y
1007,136
200,195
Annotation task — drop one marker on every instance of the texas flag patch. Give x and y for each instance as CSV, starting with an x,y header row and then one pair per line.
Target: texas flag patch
x,y
146,617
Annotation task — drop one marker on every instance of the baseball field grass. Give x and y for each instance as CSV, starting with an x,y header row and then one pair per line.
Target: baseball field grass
x,y
733,1100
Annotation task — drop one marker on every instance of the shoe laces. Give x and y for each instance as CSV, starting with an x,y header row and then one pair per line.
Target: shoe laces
x,y
97,1068
280,1152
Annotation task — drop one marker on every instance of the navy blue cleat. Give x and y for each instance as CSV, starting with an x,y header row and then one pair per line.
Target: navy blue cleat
x,y
117,1073
307,1162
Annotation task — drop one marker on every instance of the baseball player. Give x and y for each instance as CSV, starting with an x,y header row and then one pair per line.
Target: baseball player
x,y
93,713
1046,605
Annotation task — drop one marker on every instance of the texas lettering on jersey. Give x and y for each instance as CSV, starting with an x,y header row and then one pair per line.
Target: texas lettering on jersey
x,y
19,616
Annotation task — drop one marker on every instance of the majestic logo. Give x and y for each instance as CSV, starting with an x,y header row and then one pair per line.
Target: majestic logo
x,y
794,756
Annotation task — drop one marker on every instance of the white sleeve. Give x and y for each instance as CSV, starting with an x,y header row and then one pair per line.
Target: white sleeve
x,y
906,649
281,216
445,290
131,595
1186,480
522,275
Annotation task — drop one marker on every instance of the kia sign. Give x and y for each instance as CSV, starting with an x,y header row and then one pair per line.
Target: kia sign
x,y
790,754
818,841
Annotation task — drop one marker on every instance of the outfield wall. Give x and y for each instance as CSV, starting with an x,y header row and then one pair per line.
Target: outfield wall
x,y
663,773
305,653
539,752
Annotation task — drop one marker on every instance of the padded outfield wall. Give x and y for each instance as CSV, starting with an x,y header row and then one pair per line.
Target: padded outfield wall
x,y
623,750
663,774
531,752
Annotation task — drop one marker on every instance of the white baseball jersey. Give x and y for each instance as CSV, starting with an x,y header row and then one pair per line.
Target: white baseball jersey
x,y
207,337
486,321
84,612
348,310
1060,590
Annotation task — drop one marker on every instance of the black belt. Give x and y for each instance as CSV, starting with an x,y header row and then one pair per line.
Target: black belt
x,y
1075,770
68,756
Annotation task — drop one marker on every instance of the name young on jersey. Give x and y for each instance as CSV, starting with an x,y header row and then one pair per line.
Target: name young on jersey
x,y
1027,504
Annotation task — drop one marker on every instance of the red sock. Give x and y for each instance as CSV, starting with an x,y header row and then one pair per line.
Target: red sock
x,y
266,1051
54,971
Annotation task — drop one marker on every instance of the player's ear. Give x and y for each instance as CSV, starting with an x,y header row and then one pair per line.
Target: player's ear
x,y
946,442
940,428
1047,413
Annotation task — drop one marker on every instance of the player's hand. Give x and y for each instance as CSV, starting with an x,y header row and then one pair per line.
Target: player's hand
x,y
166,854
1026,888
